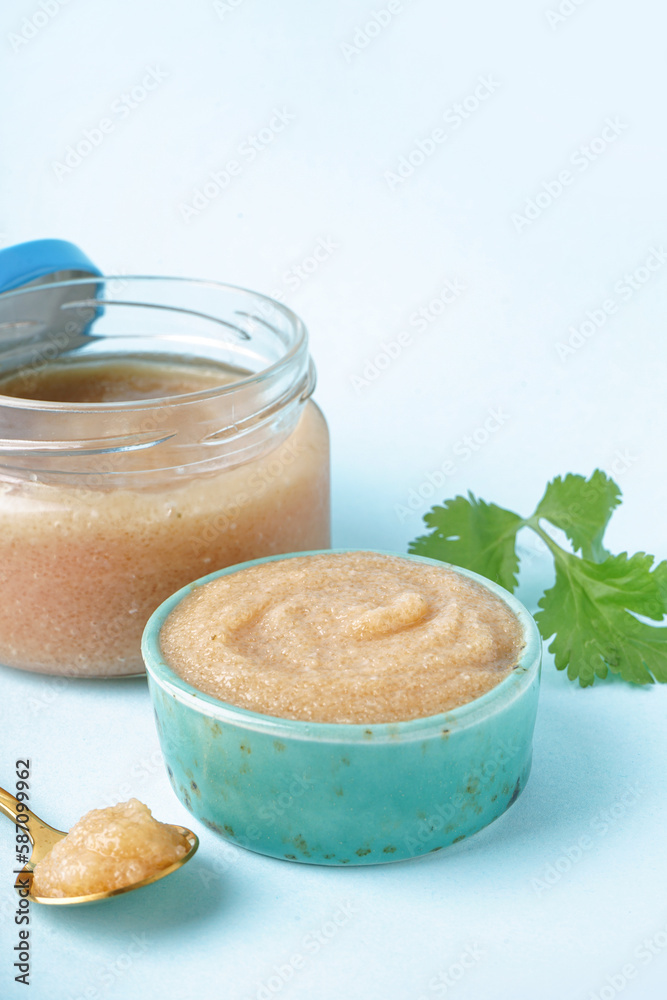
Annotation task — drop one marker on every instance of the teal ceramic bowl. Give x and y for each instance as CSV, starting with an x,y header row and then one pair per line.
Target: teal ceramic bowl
x,y
335,794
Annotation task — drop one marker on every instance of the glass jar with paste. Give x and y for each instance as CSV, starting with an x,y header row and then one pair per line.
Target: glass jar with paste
x,y
151,430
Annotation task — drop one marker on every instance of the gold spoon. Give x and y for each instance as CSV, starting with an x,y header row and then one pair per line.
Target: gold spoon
x,y
43,837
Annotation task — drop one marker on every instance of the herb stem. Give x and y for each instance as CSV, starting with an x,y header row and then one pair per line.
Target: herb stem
x,y
555,549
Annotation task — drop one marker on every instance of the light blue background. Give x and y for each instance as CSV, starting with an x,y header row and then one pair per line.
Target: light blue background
x,y
221,927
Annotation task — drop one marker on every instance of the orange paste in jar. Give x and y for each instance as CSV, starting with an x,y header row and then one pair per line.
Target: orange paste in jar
x,y
81,570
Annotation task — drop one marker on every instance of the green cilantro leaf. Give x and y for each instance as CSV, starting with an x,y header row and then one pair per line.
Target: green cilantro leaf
x,y
476,535
581,508
660,574
590,614
588,611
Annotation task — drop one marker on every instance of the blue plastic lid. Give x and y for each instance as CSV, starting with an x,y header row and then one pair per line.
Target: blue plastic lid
x,y
26,262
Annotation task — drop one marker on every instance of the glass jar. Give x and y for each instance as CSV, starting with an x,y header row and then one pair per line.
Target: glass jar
x,y
107,508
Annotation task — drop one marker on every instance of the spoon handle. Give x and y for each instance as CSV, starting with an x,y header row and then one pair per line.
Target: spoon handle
x,y
37,830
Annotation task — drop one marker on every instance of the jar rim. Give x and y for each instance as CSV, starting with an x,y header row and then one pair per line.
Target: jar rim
x,y
297,328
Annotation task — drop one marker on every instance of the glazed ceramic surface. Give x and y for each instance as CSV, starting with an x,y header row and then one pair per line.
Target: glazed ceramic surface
x,y
333,794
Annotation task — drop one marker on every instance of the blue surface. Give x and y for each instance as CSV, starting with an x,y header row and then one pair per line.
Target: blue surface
x,y
514,913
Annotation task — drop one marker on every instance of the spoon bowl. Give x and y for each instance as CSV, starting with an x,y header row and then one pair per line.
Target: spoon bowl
x,y
44,837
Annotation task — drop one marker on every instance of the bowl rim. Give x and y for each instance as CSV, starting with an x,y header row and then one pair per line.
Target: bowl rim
x,y
443,724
